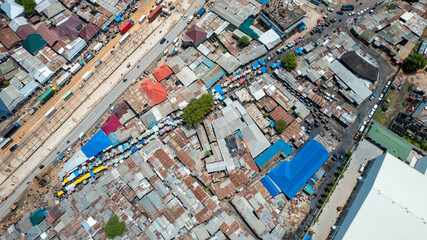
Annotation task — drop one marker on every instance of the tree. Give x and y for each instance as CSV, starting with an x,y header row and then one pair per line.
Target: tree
x,y
29,6
280,126
114,228
5,83
414,63
18,2
289,62
244,41
196,110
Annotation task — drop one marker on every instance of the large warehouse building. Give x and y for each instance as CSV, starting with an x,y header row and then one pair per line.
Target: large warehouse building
x,y
391,203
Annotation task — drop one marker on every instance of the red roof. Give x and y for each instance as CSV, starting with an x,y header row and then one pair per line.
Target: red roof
x,y
194,35
110,125
153,92
24,31
162,72
89,31
50,36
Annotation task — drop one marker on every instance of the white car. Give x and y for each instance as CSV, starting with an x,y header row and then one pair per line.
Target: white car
x,y
330,9
381,97
184,17
359,13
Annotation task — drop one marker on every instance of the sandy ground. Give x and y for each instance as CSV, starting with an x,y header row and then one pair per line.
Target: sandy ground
x,y
6,188
310,21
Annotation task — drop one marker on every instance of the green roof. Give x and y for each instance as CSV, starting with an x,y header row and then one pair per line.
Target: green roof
x,y
37,217
33,43
395,145
246,28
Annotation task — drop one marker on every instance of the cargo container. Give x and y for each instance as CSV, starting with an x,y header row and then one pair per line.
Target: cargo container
x,y
124,38
142,19
46,95
97,63
155,13
10,129
63,79
74,69
125,27
50,112
201,11
87,75
5,142
98,47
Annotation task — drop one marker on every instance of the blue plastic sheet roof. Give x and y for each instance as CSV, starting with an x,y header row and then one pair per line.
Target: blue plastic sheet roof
x,y
269,185
219,90
278,146
261,61
279,65
263,69
263,1
96,144
118,18
113,139
273,65
291,176
208,63
215,79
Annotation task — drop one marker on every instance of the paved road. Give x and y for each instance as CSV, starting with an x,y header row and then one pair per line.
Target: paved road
x,y
104,105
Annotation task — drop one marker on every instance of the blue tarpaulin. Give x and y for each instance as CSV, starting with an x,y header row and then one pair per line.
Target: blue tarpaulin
x,y
96,144
105,29
301,26
219,90
255,64
118,18
261,61
279,65
263,1
263,69
290,176
273,65
114,139
134,149
272,151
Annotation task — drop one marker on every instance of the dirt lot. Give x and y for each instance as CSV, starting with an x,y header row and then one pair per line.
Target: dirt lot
x,y
398,97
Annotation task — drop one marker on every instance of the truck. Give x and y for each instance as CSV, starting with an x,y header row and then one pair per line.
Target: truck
x,y
97,63
47,95
5,142
10,129
88,57
166,11
373,96
98,47
63,79
125,27
87,75
153,14
190,19
142,19
74,69
201,11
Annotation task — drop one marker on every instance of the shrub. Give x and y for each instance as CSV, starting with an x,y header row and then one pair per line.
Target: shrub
x,y
5,83
196,110
208,153
244,41
280,126
114,228
392,6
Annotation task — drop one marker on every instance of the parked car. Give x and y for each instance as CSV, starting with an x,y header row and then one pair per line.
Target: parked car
x,y
163,40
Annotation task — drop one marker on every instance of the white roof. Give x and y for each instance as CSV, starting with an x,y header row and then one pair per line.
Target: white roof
x,y
186,76
75,161
353,82
74,47
255,140
11,97
18,21
270,39
406,16
215,166
391,203
12,9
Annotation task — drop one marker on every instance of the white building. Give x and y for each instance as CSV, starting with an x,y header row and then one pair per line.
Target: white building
x,y
391,203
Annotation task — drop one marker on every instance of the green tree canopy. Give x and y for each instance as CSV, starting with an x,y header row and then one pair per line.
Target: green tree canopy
x,y
18,2
29,6
114,228
197,109
244,41
290,62
414,63
391,6
5,83
280,126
